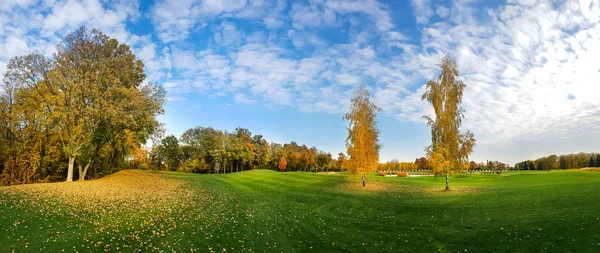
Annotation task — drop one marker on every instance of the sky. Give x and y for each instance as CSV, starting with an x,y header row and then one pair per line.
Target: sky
x,y
287,69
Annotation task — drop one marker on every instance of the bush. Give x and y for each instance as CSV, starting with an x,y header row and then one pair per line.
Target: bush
x,y
144,166
382,173
402,174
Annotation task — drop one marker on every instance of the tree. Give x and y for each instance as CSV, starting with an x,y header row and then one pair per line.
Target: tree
x,y
245,152
171,152
449,149
85,98
421,163
472,166
282,164
362,142
276,151
323,160
531,165
262,151
341,161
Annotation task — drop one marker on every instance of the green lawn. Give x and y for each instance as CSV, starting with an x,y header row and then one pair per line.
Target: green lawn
x,y
266,211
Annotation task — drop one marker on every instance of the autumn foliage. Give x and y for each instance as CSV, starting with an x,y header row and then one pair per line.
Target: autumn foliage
x,y
282,164
81,108
450,148
362,142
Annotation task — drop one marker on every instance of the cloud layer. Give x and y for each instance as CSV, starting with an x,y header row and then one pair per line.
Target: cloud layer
x,y
532,67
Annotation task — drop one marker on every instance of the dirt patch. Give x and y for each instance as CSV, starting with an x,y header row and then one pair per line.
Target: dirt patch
x,y
591,169
376,186
455,190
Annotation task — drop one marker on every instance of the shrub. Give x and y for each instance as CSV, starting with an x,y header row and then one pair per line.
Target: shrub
x,y
402,174
381,173
144,166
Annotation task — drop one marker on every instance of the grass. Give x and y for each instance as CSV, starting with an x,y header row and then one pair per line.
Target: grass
x,y
265,211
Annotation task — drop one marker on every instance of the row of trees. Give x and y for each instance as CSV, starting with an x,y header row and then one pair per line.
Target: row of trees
x,y
86,107
209,150
397,165
423,164
488,165
419,164
554,162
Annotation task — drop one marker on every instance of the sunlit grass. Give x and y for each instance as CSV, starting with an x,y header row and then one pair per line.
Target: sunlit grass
x,y
266,211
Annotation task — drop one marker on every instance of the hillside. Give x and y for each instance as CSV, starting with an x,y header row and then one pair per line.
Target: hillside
x,y
266,211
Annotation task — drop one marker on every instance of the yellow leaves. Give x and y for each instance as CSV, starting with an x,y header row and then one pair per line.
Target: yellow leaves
x,y
362,141
449,147
122,207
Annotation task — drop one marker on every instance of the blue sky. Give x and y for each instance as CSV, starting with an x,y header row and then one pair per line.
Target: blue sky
x,y
286,69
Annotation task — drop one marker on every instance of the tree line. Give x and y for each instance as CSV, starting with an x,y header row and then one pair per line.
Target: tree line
x,y
563,162
86,107
209,150
423,163
418,164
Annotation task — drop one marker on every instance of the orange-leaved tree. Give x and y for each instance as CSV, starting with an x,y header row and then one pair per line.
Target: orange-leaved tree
x,y
282,164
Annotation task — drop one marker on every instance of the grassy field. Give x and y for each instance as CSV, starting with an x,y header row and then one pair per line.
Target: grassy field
x,y
266,211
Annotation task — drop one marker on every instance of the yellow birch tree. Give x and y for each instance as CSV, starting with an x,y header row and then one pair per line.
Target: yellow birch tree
x,y
362,142
450,149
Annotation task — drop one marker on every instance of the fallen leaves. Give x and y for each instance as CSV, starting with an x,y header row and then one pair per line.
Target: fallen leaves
x,y
121,208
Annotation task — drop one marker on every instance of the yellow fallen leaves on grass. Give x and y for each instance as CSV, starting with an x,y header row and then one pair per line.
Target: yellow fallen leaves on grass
x,y
126,207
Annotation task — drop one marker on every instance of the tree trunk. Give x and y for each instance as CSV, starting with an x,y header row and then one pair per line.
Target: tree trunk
x,y
83,172
447,182
70,169
364,180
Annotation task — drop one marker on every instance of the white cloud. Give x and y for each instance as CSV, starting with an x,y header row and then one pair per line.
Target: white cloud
x,y
309,16
303,39
243,99
374,9
175,19
347,79
422,10
329,12
229,35
442,11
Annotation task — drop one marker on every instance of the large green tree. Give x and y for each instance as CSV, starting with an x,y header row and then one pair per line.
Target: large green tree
x,y
362,142
450,148
88,100
171,152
